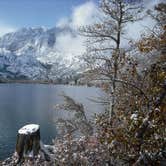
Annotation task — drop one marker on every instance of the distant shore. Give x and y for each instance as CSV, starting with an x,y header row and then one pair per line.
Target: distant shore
x,y
44,82
28,81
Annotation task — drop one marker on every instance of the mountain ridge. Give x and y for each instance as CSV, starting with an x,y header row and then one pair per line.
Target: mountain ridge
x,y
33,54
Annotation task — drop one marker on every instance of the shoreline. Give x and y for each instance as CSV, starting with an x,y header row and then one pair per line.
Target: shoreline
x,y
28,82
44,82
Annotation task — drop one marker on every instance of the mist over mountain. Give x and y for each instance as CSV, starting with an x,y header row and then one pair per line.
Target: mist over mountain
x,y
35,54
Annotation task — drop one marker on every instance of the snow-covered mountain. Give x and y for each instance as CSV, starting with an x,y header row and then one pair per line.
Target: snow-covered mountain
x,y
33,53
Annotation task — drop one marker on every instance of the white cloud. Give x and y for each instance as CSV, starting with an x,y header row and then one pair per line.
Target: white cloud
x,y
63,22
86,14
149,4
5,28
83,14
136,29
73,45
70,44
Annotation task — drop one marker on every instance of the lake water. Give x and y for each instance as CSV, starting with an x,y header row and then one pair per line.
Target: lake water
x,y
21,104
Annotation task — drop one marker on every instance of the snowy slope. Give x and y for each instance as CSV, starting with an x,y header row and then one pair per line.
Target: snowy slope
x,y
32,53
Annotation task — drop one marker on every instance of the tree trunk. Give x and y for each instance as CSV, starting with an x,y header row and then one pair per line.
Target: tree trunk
x,y
28,141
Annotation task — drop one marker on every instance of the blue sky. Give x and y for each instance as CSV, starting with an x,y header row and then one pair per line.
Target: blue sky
x,y
19,13
15,14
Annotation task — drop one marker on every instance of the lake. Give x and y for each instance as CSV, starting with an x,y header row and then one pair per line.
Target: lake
x,y
21,104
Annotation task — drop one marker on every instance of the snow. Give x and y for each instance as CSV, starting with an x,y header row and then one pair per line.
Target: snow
x,y
23,53
28,129
31,154
134,117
